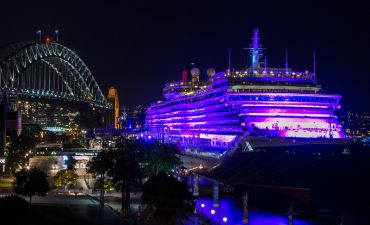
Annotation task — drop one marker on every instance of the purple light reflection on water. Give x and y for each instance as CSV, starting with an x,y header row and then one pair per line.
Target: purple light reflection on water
x,y
234,214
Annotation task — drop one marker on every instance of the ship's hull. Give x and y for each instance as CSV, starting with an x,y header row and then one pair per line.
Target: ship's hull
x,y
248,147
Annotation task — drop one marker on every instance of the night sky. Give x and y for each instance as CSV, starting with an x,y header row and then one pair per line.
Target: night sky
x,y
138,46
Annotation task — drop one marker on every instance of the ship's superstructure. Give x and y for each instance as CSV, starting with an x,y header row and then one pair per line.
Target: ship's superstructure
x,y
277,103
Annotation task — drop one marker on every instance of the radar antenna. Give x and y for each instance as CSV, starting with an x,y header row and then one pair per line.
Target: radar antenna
x,y
314,64
286,61
229,59
265,65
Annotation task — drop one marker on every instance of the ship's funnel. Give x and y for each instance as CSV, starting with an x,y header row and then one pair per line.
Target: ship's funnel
x,y
184,75
210,73
195,72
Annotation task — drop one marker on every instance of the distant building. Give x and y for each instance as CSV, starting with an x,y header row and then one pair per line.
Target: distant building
x,y
132,117
10,120
113,114
138,113
356,124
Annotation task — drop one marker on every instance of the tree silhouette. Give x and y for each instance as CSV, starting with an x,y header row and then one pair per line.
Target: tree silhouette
x,y
17,151
159,158
31,182
13,208
123,165
169,200
125,169
65,177
100,164
108,184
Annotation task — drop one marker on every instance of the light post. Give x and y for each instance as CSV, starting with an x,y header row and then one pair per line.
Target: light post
x,y
2,161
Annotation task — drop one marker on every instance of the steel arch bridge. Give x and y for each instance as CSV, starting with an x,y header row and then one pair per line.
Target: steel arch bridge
x,y
48,70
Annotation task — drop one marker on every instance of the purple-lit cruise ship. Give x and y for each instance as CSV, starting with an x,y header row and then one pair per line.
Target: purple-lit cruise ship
x,y
253,108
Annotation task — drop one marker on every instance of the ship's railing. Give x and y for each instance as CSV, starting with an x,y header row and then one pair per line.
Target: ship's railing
x,y
178,89
271,73
177,83
180,83
284,97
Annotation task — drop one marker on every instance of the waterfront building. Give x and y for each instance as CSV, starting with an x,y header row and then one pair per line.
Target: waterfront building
x,y
11,120
135,117
356,124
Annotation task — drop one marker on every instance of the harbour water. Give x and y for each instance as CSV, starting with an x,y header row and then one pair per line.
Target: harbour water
x,y
229,213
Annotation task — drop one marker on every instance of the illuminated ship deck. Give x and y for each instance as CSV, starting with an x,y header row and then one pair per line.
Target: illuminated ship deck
x,y
277,103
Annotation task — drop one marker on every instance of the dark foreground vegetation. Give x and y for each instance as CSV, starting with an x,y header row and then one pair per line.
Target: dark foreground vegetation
x,y
17,211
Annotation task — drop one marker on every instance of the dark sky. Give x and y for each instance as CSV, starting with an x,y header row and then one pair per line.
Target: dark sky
x,y
137,46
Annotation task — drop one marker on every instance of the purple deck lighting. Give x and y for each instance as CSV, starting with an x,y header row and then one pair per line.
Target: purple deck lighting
x,y
255,102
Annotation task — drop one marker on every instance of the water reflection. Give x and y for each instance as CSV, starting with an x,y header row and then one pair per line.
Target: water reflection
x,y
230,214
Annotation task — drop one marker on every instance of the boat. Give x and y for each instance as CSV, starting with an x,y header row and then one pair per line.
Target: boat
x,y
252,109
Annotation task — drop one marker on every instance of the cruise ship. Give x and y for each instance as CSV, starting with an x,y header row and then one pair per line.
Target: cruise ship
x,y
255,108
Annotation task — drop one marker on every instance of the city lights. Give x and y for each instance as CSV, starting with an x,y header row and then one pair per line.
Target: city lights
x,y
233,140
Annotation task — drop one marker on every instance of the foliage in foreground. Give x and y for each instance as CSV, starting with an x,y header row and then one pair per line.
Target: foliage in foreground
x,y
159,158
16,151
31,182
65,178
108,184
15,210
13,207
169,200
125,170
130,162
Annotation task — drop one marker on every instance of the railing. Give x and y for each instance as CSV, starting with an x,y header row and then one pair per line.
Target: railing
x,y
271,73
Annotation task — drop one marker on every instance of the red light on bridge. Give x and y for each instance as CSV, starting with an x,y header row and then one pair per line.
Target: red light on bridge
x,y
47,39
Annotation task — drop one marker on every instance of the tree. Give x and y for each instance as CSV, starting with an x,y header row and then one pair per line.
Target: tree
x,y
169,200
17,152
65,178
71,163
108,184
31,182
100,164
125,169
159,158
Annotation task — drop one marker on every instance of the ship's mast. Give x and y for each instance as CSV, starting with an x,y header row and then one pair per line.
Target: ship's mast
x,y
330,131
256,51
314,64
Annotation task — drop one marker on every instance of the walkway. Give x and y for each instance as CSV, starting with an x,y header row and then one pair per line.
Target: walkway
x,y
85,207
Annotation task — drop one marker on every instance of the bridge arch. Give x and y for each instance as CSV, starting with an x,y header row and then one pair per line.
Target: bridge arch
x,y
48,70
